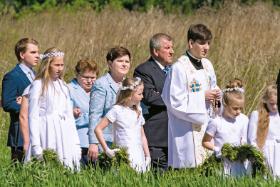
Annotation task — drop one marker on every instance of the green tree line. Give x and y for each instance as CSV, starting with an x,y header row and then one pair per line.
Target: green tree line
x,y
168,6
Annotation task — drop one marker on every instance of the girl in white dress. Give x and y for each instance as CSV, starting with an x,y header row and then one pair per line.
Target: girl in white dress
x,y
230,127
50,113
264,129
127,119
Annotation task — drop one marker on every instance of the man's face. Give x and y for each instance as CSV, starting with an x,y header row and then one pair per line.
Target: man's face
x,y
31,56
165,53
199,49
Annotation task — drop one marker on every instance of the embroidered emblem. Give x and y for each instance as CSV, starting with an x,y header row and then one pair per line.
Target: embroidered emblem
x,y
195,86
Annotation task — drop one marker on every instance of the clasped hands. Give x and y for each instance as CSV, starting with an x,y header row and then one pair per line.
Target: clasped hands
x,y
214,94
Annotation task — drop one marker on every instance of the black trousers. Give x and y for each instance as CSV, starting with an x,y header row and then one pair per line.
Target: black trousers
x,y
17,154
85,162
159,156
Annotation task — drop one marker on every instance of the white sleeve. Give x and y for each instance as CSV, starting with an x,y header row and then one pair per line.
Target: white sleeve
x,y
33,116
211,127
252,129
112,114
212,76
185,105
142,120
244,135
26,91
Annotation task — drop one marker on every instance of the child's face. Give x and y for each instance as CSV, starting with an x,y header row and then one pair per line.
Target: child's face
x,y
56,67
233,109
137,95
272,104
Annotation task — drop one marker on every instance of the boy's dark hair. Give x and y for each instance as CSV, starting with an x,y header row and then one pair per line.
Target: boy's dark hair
x,y
199,32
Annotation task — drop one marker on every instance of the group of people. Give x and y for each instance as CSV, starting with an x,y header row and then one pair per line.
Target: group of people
x,y
168,115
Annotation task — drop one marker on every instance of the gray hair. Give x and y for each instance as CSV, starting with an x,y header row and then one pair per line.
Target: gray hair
x,y
156,39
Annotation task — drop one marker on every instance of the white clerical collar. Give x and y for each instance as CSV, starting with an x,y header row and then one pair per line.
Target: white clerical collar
x,y
160,65
193,56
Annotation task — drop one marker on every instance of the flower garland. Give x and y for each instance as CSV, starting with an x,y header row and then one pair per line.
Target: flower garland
x,y
213,165
121,157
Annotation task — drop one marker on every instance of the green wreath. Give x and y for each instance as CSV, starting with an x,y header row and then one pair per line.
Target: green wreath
x,y
121,157
213,165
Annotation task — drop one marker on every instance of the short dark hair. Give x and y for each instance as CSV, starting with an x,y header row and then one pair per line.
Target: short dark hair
x,y
86,64
199,32
155,40
21,46
117,52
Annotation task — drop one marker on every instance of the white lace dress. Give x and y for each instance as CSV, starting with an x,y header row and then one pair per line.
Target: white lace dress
x,y
52,124
271,147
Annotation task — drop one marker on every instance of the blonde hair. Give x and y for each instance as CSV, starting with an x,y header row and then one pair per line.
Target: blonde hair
x,y
233,90
129,85
263,116
44,69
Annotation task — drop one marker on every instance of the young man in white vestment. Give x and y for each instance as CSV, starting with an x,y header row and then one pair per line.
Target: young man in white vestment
x,y
191,95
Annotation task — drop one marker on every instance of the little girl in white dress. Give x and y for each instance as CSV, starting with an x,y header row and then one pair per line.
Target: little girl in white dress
x,y
127,120
264,129
230,127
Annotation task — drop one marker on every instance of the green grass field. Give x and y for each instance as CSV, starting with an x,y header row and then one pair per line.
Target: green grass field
x,y
246,44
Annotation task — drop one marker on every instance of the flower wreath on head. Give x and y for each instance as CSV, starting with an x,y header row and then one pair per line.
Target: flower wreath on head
x,y
241,90
133,86
51,54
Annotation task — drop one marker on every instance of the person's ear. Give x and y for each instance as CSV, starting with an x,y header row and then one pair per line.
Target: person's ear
x,y
109,63
155,51
21,54
191,42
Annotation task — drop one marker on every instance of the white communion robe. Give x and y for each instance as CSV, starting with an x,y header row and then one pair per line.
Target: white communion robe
x,y
271,148
52,124
184,96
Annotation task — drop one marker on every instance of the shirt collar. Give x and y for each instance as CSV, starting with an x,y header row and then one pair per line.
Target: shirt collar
x,y
159,64
75,83
25,68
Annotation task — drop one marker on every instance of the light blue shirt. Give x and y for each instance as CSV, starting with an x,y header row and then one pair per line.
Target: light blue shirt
x,y
80,99
102,98
28,71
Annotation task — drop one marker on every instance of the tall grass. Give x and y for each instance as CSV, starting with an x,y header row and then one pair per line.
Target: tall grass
x,y
246,39
245,44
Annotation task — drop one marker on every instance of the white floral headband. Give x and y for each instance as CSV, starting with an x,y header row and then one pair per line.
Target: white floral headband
x,y
133,86
51,54
241,90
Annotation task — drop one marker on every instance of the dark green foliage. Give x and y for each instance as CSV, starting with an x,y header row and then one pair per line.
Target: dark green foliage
x,y
244,152
168,6
213,165
106,163
49,159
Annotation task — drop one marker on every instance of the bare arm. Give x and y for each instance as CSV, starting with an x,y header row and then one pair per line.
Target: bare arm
x,y
207,143
145,143
23,121
98,131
